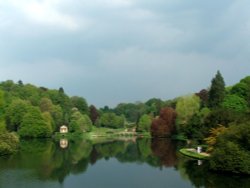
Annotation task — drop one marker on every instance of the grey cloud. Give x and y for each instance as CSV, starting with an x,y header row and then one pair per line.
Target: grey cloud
x,y
124,50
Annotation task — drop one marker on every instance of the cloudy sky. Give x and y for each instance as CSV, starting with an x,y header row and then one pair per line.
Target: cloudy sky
x,y
112,51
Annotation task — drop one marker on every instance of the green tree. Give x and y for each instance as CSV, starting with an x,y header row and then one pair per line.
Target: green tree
x,y
80,122
87,126
235,103
80,103
8,143
29,92
15,113
111,120
144,123
154,106
46,105
132,112
60,98
186,107
196,128
217,90
232,150
55,111
57,115
242,89
2,103
34,125
8,85
49,120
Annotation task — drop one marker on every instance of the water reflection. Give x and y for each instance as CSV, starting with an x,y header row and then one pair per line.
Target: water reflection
x,y
63,143
165,150
54,161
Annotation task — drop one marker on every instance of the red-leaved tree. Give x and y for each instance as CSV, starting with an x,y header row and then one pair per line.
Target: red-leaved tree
x,y
164,125
93,114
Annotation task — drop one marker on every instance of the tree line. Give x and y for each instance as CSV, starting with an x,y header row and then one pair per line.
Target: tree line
x,y
217,116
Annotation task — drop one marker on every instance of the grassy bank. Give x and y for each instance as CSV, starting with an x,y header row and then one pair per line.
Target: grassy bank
x,y
190,152
101,133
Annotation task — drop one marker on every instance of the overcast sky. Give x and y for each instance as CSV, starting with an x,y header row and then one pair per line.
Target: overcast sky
x,y
112,51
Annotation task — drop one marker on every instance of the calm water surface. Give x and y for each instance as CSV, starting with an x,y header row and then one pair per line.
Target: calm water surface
x,y
133,163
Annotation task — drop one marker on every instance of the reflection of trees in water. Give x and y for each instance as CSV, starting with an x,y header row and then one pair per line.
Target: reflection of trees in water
x,y
110,149
94,156
200,176
50,162
165,150
74,159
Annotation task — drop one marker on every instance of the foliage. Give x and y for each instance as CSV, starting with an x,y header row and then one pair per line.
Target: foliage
x,y
2,102
46,105
111,120
235,103
61,99
55,112
49,121
57,115
217,90
186,107
196,128
154,106
242,89
34,96
144,123
18,99
80,122
34,125
80,103
214,133
203,95
232,151
222,116
164,125
93,113
8,143
132,112
15,114
2,126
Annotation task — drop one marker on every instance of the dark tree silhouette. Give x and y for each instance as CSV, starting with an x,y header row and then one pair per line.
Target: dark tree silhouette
x,y
217,90
203,95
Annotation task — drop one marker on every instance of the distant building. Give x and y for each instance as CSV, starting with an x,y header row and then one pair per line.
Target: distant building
x,y
64,129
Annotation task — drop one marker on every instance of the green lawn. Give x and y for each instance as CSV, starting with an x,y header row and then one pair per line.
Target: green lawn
x,y
193,154
101,133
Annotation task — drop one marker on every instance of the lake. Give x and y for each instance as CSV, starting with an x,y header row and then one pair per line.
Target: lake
x,y
133,163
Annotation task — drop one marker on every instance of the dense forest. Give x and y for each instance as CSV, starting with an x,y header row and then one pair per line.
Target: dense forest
x,y
217,117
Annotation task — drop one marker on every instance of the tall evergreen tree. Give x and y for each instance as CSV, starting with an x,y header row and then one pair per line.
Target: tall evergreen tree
x,y
217,90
